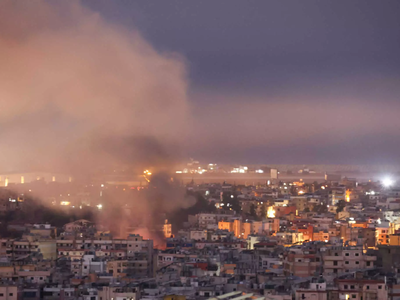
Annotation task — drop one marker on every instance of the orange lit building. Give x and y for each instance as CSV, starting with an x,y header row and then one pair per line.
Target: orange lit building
x,y
360,225
394,240
246,230
307,233
321,236
239,229
285,211
382,235
224,225
229,269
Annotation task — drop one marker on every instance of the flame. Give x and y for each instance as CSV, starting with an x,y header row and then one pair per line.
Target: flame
x,y
348,193
271,212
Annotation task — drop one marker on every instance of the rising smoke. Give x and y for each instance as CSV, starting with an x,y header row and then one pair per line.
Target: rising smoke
x,y
77,92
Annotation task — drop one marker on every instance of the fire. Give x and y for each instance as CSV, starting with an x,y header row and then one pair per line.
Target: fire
x,y
271,212
348,193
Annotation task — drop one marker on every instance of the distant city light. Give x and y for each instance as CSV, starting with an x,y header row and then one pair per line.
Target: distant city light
x,y
178,172
99,206
387,182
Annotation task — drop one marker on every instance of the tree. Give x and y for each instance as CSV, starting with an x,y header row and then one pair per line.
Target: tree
x,y
253,211
263,212
231,201
340,206
320,208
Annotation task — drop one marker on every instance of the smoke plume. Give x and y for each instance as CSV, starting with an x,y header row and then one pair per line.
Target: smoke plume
x,y
76,91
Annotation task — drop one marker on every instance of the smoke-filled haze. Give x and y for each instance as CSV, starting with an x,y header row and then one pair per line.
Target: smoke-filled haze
x,y
305,82
76,91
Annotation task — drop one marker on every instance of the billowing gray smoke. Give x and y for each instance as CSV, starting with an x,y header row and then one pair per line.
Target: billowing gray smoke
x,y
76,90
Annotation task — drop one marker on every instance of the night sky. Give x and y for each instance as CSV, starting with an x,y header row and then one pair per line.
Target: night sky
x,y
307,82
282,81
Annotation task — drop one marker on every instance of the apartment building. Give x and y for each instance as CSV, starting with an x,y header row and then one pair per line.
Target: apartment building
x,y
362,289
118,292
15,248
9,291
135,267
315,291
301,263
340,260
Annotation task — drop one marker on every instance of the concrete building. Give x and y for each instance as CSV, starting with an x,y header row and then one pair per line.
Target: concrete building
x,y
301,263
340,260
362,289
9,291
16,248
315,291
119,292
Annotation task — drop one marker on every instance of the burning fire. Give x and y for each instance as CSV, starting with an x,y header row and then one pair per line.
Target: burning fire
x,y
271,212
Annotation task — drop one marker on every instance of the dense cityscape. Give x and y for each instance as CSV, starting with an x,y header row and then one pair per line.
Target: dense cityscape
x,y
332,238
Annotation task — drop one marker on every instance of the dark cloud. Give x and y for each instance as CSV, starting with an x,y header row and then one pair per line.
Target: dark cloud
x,y
321,77
265,76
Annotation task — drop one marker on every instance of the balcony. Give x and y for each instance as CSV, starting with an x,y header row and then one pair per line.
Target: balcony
x,y
331,258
